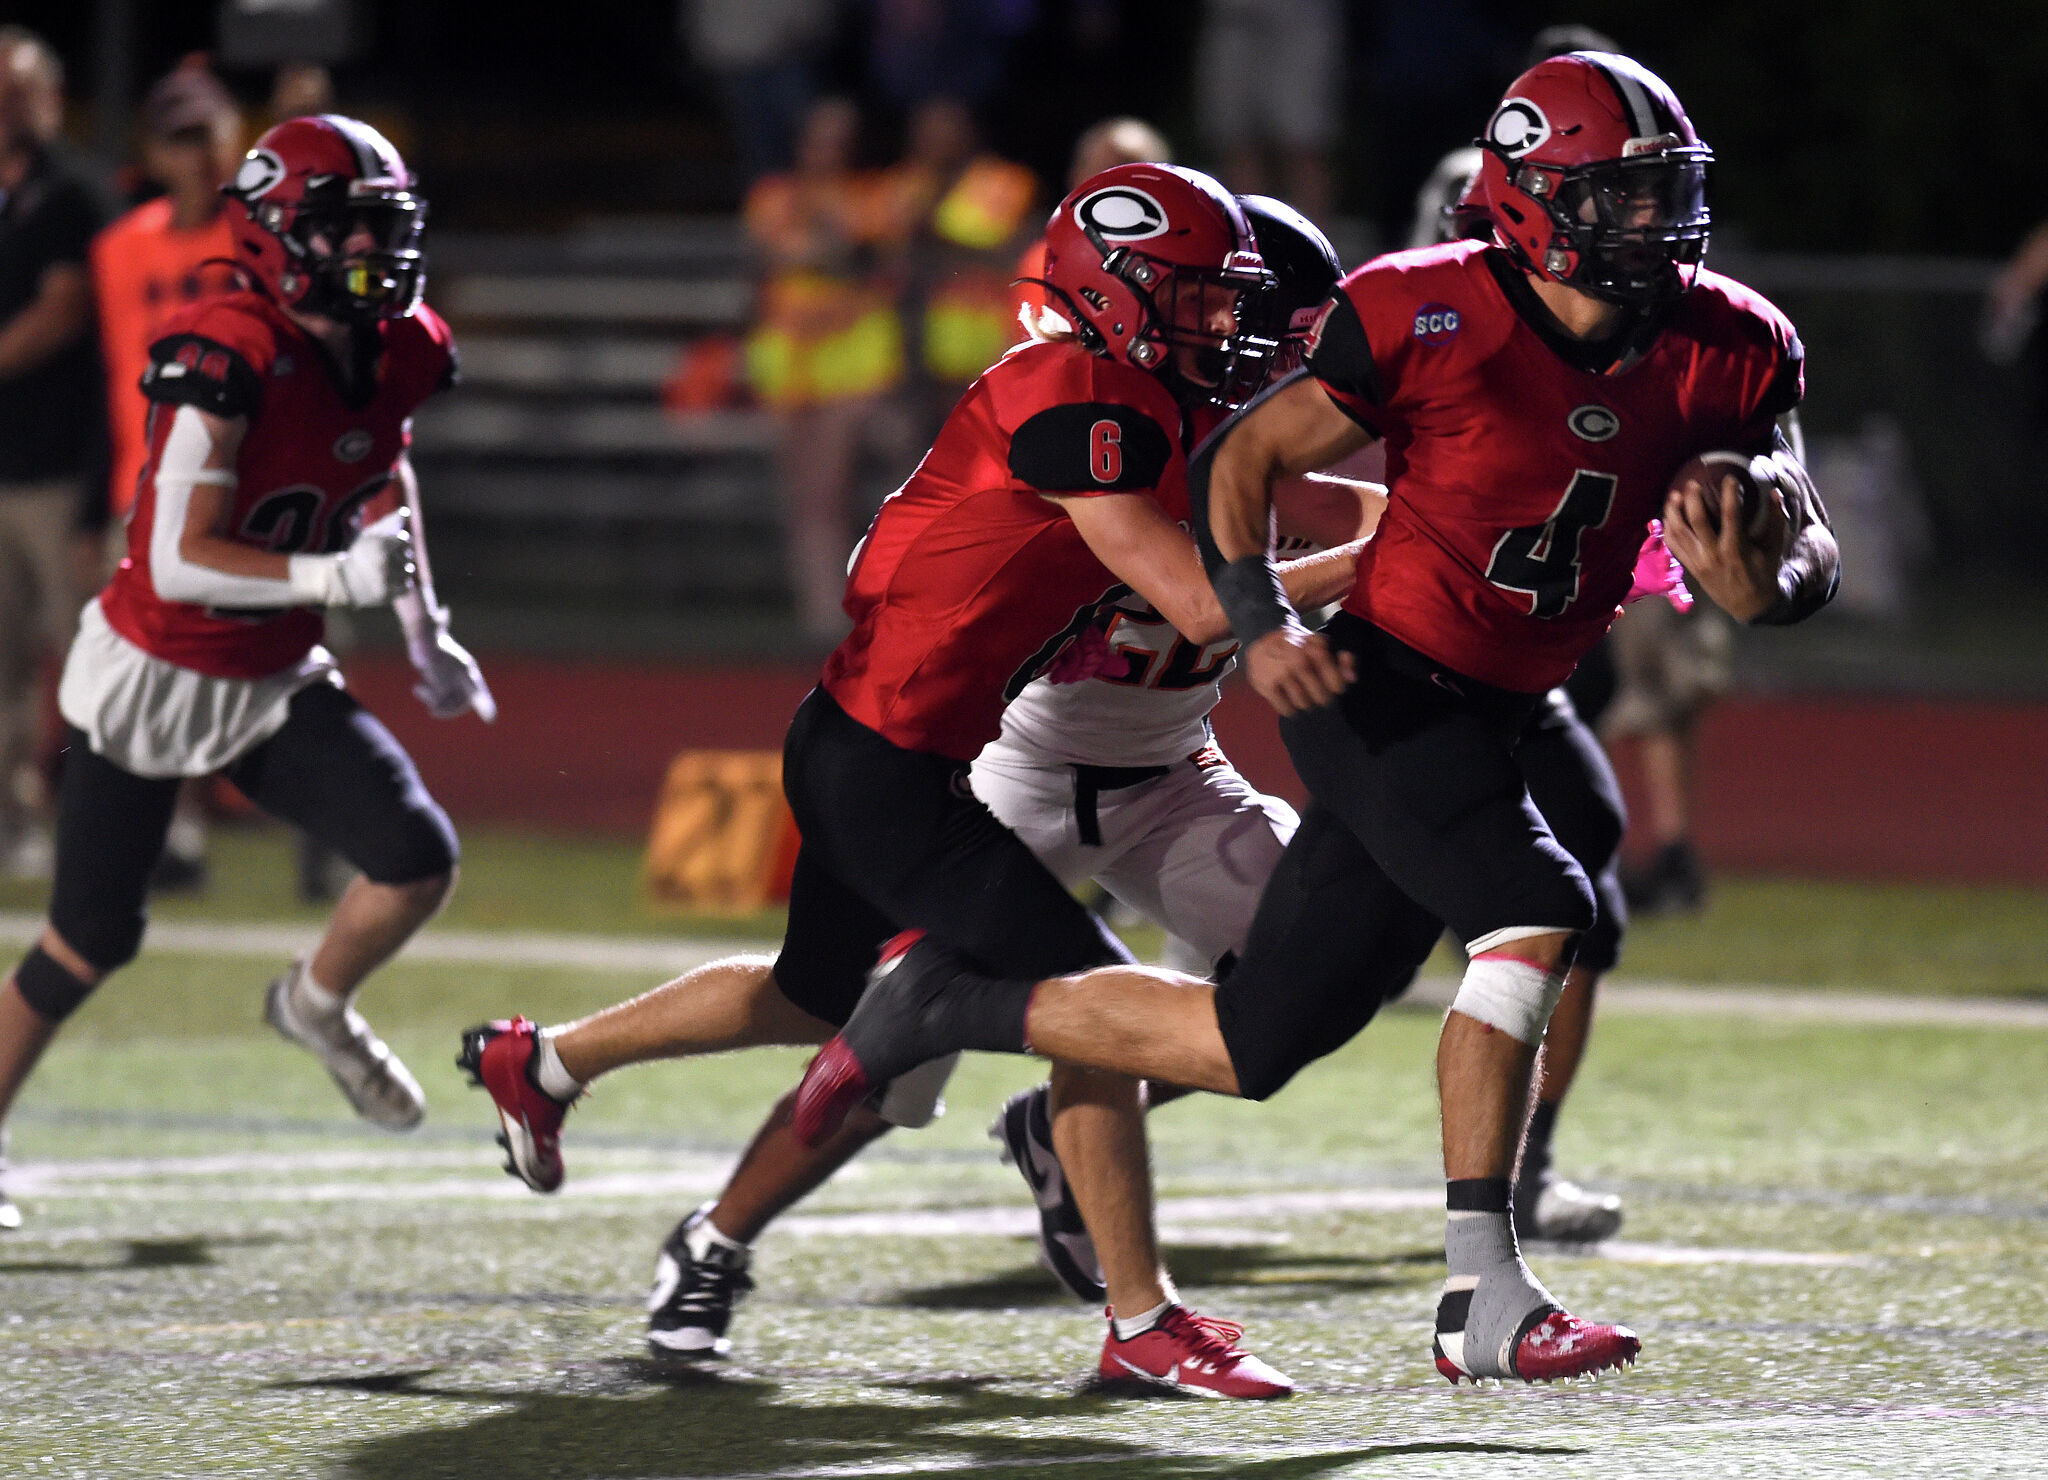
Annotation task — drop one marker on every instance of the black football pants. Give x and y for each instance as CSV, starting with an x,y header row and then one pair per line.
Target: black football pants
x,y
895,839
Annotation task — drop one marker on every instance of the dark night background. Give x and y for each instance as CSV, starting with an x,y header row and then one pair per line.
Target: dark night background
x,y
1881,125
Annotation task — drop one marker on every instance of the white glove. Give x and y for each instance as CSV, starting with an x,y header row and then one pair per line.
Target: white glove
x,y
450,682
370,572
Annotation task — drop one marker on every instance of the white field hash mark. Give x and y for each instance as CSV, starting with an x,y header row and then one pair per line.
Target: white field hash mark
x,y
1231,1220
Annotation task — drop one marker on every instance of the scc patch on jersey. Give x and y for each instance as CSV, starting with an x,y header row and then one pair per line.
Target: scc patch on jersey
x,y
1090,447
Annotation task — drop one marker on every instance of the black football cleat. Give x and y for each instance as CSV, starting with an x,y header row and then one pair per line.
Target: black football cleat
x,y
694,1296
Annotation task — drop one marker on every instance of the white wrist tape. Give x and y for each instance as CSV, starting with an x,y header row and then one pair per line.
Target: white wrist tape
x,y
1509,994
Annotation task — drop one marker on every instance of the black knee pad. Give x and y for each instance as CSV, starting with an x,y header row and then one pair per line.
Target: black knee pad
x,y
107,939
423,848
48,986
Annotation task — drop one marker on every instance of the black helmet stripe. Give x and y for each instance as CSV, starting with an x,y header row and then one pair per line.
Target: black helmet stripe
x,y
1645,116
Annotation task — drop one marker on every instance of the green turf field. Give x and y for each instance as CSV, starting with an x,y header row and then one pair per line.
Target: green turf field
x,y
1835,1251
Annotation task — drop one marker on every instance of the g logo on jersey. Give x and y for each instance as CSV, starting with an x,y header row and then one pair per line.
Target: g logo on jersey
x,y
1121,214
1436,323
1518,126
1592,423
261,173
353,445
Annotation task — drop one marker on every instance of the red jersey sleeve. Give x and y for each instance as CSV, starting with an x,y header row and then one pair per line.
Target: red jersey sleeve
x,y
422,351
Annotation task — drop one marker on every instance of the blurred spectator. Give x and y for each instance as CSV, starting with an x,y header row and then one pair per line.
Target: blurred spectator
x,y
166,252
2012,308
52,426
1671,666
1113,141
965,214
764,55
300,88
151,262
827,343
921,49
1267,78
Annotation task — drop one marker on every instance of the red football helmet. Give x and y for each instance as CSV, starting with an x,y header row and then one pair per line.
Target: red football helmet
x,y
1592,176
329,222
1143,257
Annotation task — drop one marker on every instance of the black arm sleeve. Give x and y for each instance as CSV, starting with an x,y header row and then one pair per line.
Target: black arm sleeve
x,y
1090,447
1340,356
1248,589
191,370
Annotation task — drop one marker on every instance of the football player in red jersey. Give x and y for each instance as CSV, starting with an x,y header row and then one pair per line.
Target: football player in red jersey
x,y
1056,486
278,422
1537,395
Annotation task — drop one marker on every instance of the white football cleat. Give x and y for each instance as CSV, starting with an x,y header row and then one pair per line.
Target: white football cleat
x,y
381,1089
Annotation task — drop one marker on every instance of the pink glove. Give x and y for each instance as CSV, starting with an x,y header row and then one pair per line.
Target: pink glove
x,y
1658,572
1085,657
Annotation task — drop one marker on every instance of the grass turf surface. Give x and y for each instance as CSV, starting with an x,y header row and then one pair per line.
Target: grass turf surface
x,y
1835,1240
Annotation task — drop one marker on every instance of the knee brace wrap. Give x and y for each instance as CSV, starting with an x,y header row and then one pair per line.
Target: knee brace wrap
x,y
914,1100
1511,995
48,986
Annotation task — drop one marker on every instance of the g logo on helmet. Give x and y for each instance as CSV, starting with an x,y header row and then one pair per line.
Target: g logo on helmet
x,y
1518,127
1120,213
1591,423
261,173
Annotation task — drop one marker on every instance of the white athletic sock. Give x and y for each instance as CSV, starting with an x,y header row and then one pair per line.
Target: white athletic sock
x,y
1139,1324
705,1237
313,997
555,1081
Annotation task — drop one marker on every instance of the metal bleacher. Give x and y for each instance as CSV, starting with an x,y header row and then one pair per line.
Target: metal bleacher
x,y
568,508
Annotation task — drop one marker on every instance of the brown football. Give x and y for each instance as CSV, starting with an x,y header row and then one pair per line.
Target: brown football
x,y
1706,472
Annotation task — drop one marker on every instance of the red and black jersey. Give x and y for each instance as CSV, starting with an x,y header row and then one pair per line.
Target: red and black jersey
x,y
969,582
1522,483
312,459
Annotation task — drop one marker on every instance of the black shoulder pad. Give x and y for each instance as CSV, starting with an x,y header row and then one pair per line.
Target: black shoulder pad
x,y
1090,447
1340,356
192,370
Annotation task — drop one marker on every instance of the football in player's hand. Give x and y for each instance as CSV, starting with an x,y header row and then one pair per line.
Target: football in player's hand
x,y
1706,473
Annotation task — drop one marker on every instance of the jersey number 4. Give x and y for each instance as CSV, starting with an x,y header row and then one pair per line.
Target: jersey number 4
x,y
1542,560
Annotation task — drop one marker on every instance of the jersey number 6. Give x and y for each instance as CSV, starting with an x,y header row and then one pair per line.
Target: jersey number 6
x,y
1542,560
1106,451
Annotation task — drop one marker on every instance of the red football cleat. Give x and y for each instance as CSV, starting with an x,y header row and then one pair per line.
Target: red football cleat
x,y
1193,1354
499,1057
1559,1345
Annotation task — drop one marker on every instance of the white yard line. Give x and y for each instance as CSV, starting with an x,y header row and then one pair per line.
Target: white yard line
x,y
1231,1220
459,947
662,957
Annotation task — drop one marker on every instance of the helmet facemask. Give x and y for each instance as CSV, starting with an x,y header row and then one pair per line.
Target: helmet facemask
x,y
1181,307
1626,230
360,255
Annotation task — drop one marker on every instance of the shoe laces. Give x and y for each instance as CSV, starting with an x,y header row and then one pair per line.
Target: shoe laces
x,y
1213,1339
708,1285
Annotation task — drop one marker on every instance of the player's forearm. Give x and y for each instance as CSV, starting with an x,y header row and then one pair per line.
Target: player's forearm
x,y
1241,474
1321,578
418,609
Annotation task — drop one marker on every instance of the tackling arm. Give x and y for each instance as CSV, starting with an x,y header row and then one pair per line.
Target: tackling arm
x,y
1129,533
